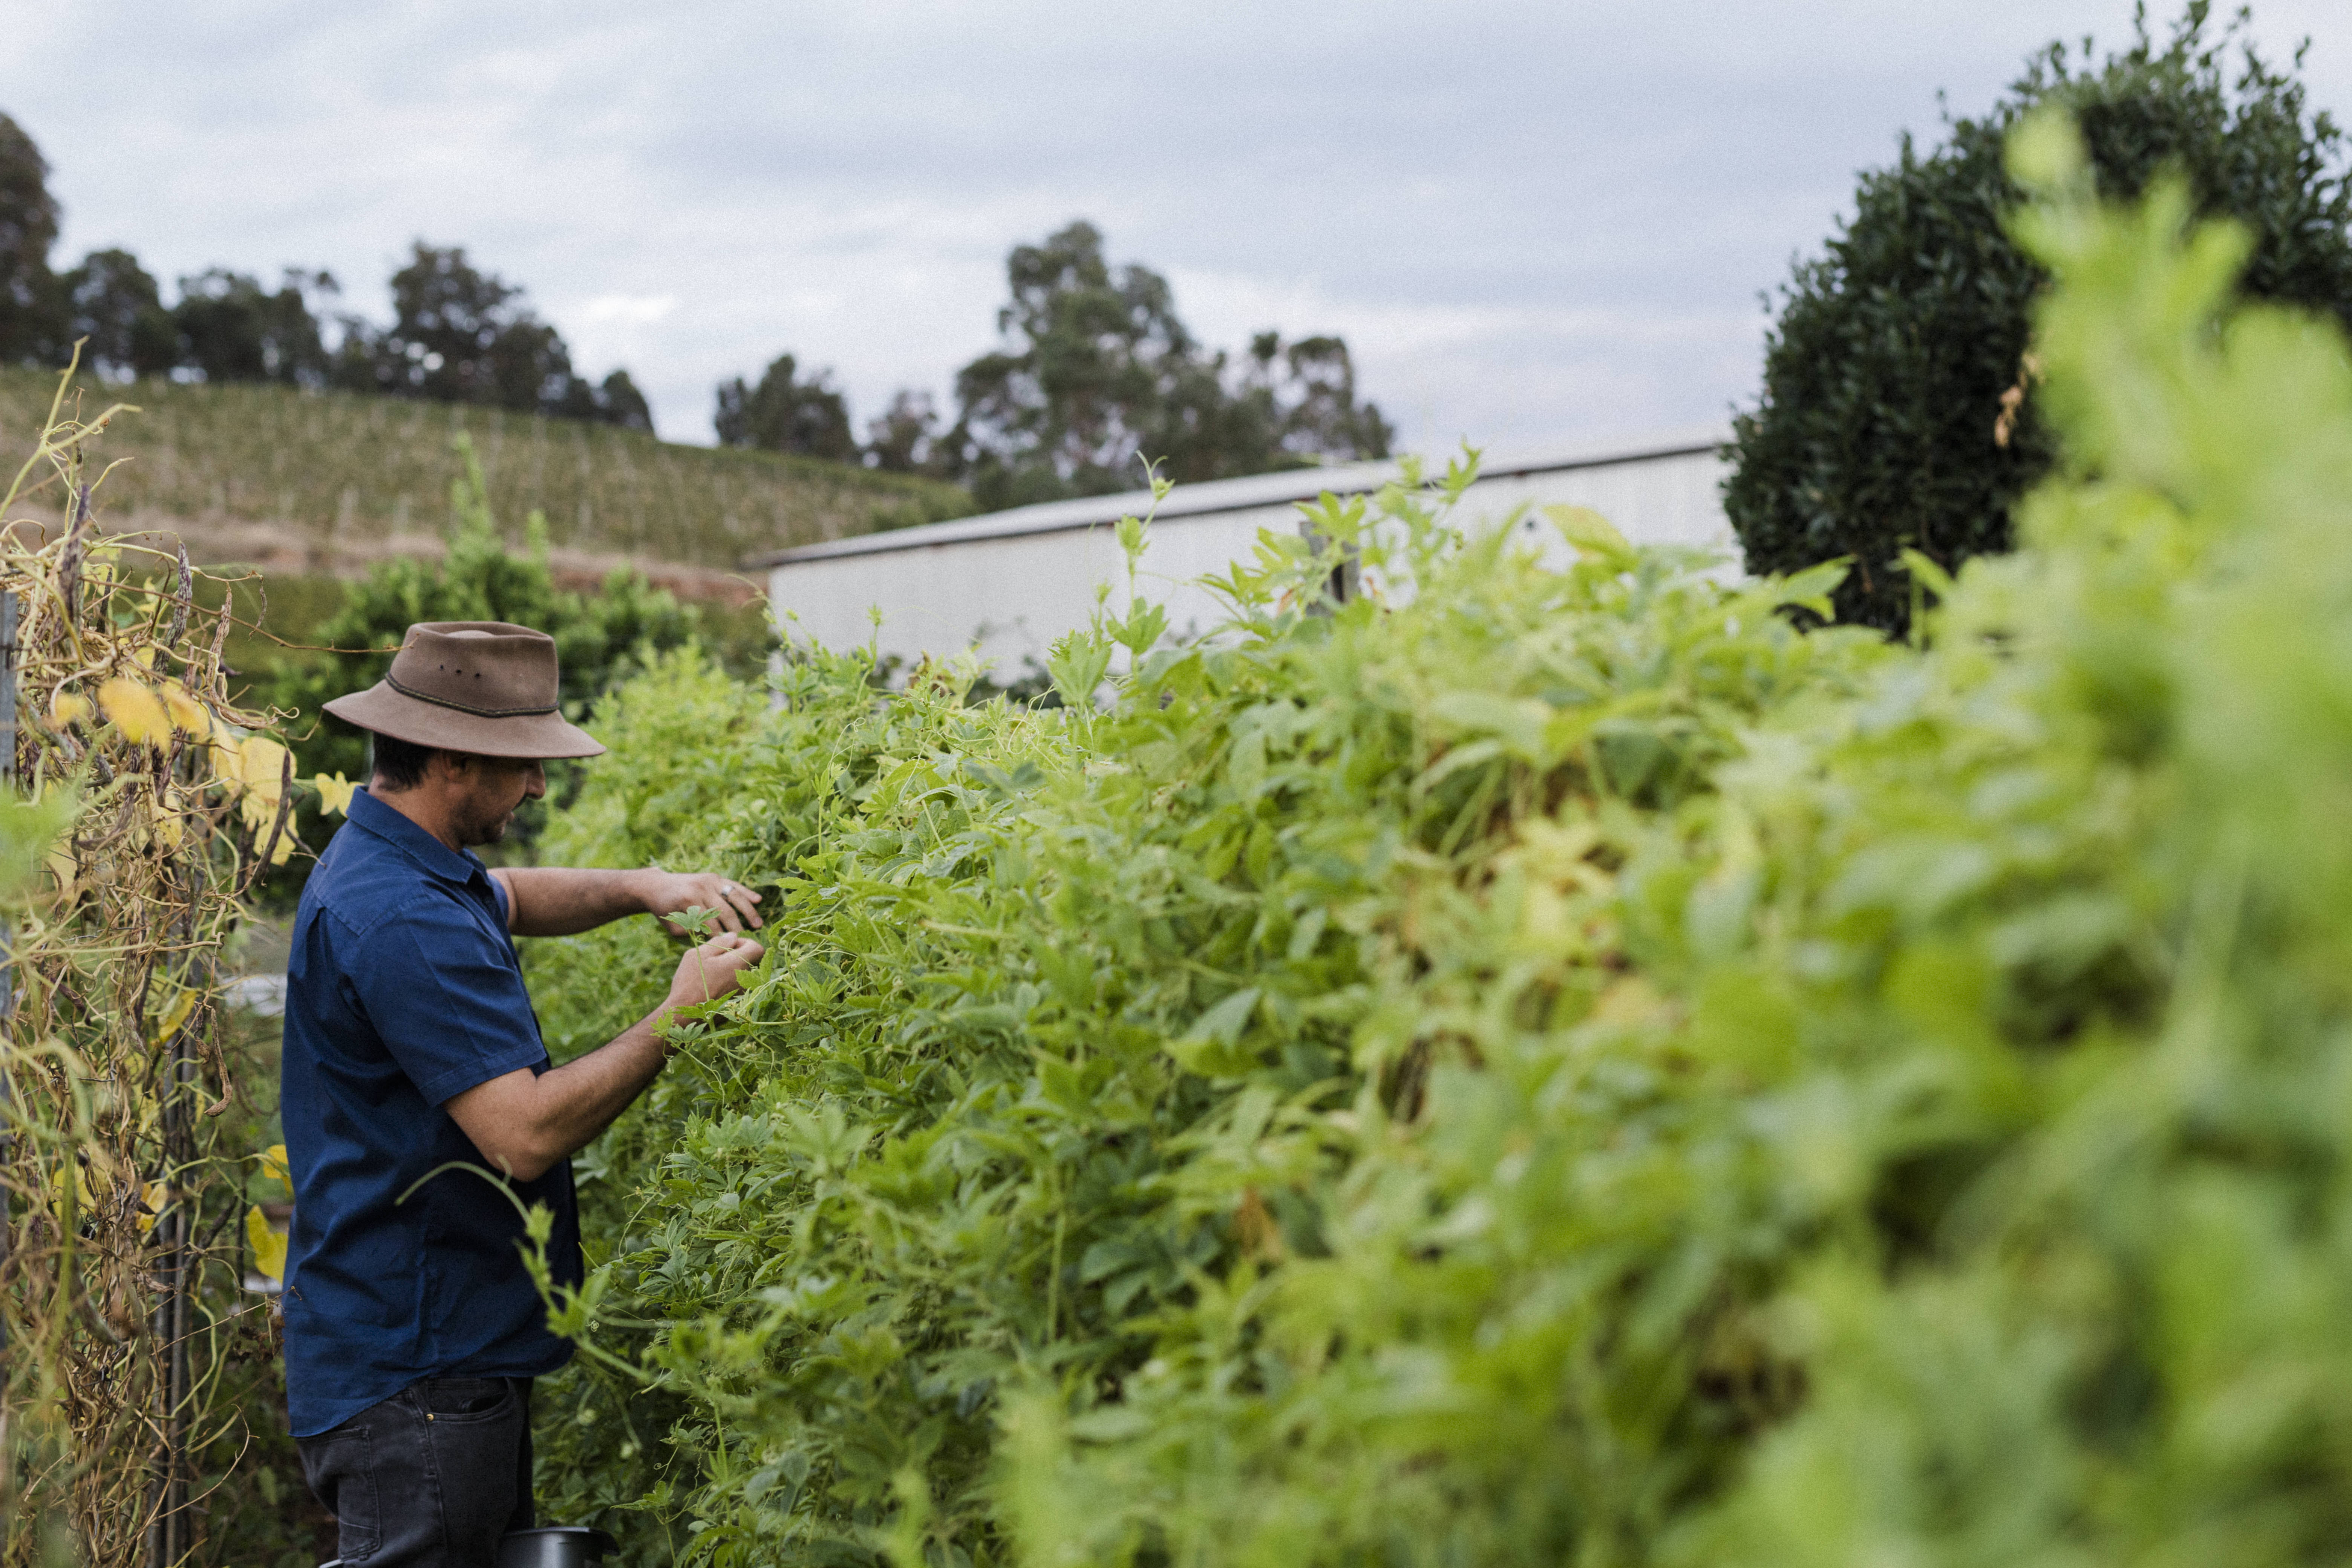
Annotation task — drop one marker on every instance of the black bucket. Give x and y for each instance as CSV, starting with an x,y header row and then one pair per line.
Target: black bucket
x,y
558,1546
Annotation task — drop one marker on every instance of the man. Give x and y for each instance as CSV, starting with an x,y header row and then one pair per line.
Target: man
x,y
413,1329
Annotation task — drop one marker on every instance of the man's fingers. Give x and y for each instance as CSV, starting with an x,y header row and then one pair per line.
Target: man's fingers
x,y
728,905
735,902
714,968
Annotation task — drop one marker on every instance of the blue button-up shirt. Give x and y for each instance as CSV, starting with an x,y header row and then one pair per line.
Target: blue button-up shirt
x,y
401,991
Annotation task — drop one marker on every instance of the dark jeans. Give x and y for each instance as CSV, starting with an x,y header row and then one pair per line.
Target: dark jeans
x,y
432,1476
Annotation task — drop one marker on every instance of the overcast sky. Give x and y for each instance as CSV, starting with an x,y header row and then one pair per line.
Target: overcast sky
x,y
1534,223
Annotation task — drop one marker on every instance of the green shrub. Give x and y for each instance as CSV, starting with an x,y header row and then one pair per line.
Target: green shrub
x,y
1880,425
600,639
1547,1066
980,1123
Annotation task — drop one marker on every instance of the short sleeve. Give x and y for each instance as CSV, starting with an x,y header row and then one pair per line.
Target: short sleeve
x,y
445,998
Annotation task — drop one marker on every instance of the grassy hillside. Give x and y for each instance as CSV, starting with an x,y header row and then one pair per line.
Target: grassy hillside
x,y
251,472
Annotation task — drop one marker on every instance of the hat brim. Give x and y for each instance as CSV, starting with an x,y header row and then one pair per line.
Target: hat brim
x,y
405,717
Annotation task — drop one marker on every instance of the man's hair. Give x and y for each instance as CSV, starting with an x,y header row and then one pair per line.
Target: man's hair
x,y
398,765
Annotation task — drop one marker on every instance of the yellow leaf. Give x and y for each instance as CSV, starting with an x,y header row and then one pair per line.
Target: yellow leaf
x,y
269,1244
228,754
151,1199
135,710
167,823
173,1016
261,763
260,815
273,1163
190,716
67,708
334,793
84,1202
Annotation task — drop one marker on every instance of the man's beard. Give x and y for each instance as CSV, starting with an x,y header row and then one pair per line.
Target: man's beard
x,y
484,828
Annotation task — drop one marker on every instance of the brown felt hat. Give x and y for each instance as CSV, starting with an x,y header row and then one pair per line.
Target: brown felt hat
x,y
483,687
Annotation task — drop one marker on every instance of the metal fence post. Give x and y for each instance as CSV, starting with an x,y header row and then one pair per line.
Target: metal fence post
x,y
7,935
168,1535
1345,581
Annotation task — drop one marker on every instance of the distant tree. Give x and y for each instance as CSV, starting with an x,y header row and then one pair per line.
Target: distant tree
x,y
114,303
784,414
1310,391
1897,409
459,334
32,308
616,401
1095,361
901,440
233,328
1100,374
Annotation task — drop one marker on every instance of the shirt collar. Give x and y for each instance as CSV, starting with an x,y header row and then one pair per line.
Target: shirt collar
x,y
373,815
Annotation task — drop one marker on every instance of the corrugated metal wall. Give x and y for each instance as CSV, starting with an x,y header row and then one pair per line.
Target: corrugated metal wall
x,y
1012,593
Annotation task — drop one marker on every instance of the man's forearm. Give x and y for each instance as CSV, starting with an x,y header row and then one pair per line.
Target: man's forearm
x,y
557,900
523,1123
550,901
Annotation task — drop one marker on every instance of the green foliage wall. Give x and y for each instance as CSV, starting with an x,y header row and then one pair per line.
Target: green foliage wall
x,y
1551,1065
1879,427
982,1121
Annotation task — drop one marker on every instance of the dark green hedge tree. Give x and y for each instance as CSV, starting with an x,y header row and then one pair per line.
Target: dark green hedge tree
x,y
28,227
786,412
601,638
1880,425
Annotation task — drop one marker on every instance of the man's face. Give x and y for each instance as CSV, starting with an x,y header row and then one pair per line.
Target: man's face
x,y
492,788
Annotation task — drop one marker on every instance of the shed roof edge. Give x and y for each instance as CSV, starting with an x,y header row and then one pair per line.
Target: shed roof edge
x,y
1220,496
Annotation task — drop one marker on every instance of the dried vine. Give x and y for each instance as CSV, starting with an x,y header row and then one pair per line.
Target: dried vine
x,y
121,1275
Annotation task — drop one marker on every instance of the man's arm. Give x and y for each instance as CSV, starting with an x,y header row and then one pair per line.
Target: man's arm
x,y
554,901
524,1122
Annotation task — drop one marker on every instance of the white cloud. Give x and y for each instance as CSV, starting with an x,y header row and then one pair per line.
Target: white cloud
x,y
1531,220
633,310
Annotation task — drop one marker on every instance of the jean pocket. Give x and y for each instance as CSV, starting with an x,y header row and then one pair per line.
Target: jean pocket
x,y
338,1465
463,1398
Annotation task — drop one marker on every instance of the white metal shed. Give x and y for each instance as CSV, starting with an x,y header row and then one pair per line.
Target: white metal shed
x,y
1011,581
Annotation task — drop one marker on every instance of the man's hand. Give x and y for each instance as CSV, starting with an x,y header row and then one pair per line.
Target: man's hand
x,y
712,970
555,900
670,893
